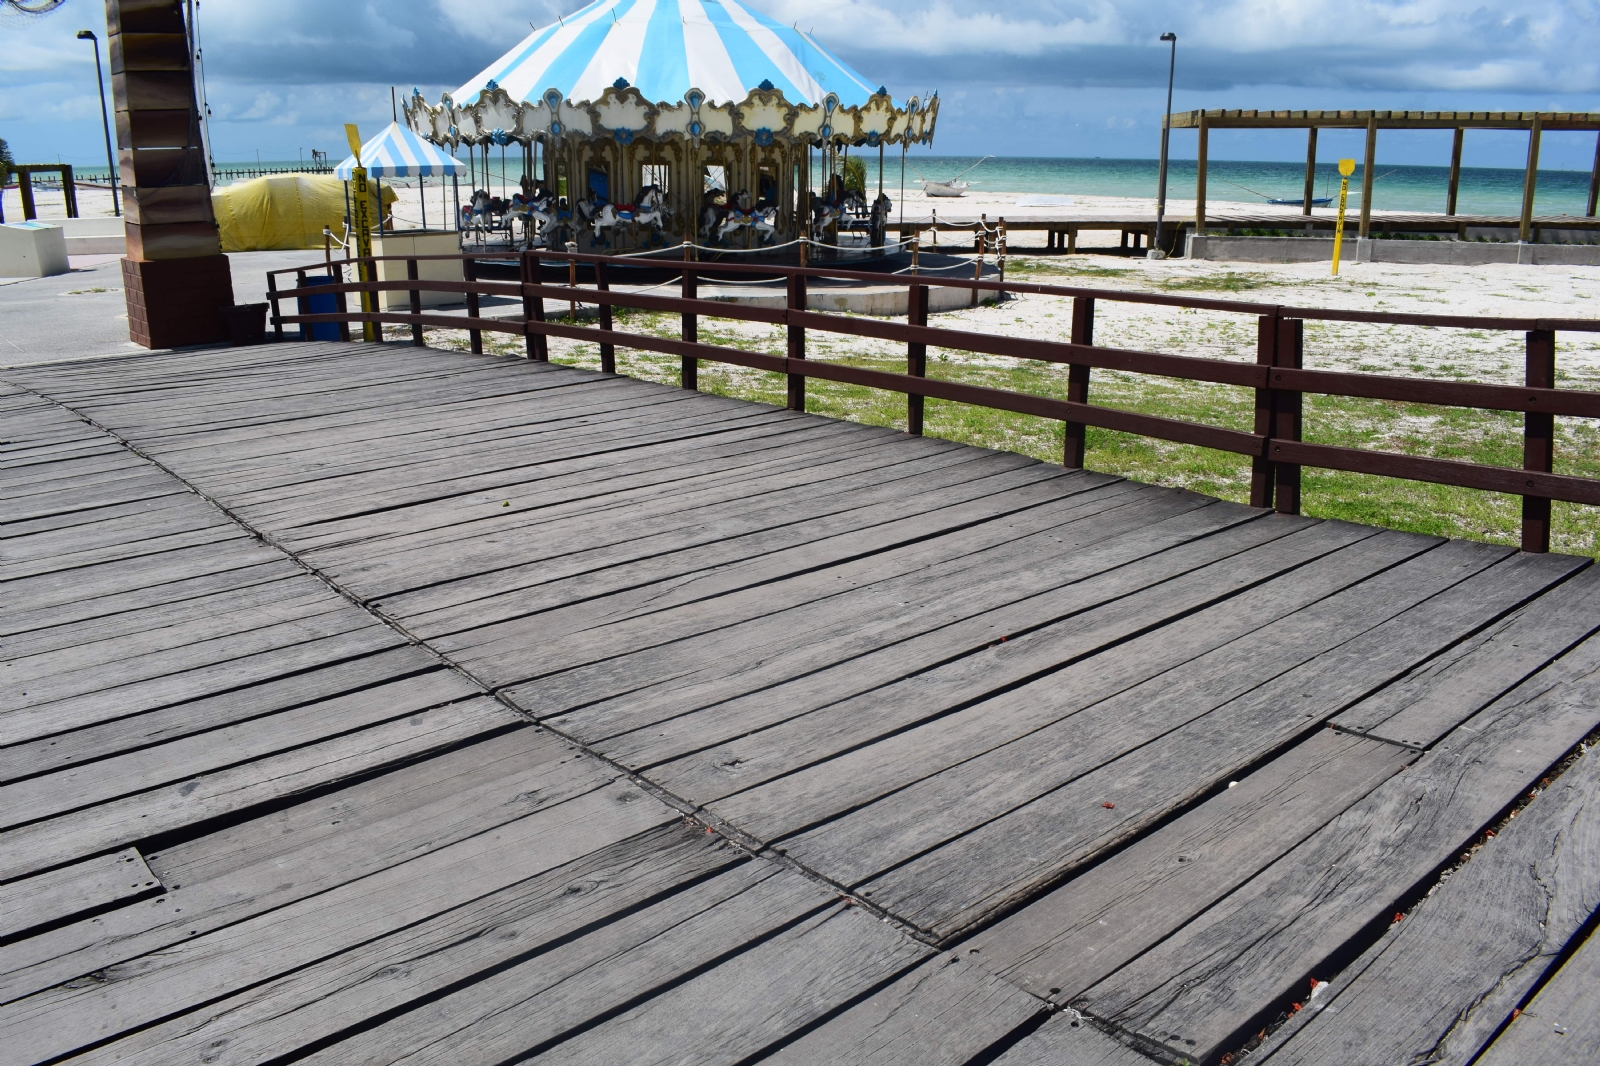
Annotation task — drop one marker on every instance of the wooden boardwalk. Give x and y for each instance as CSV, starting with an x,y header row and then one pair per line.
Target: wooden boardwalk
x,y
373,704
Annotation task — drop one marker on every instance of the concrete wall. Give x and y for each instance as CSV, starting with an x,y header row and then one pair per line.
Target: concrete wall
x,y
1320,250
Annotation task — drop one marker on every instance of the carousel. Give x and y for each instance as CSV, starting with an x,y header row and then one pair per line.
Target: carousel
x,y
640,125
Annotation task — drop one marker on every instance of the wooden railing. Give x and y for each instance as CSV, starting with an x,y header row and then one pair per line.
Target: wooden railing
x,y
1275,444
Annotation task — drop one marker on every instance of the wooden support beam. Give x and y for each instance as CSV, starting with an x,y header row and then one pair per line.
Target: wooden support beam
x,y
1529,181
1455,172
1200,181
1594,181
1366,178
1311,169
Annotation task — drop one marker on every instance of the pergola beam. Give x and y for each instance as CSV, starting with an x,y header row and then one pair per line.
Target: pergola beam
x,y
1388,120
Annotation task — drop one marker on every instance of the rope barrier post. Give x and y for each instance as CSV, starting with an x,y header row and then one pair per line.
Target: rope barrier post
x,y
1261,477
1076,434
272,298
416,303
916,356
690,367
469,271
916,248
1001,256
1287,415
1539,440
538,345
608,352
797,342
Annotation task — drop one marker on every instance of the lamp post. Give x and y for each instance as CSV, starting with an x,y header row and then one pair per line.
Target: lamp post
x,y
105,118
1166,117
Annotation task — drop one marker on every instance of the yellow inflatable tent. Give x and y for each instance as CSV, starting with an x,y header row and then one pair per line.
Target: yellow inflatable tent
x,y
284,211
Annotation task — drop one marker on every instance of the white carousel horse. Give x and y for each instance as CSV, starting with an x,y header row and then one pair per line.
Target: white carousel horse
x,y
543,215
650,209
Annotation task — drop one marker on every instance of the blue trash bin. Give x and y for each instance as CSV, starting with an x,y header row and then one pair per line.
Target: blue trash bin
x,y
320,304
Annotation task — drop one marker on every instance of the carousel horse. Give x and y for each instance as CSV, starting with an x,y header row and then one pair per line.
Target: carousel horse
x,y
711,220
542,214
477,216
650,209
881,208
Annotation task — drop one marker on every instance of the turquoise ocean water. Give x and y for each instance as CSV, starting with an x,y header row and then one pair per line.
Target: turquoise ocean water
x,y
1484,191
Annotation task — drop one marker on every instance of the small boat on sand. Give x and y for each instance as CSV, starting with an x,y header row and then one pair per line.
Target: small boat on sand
x,y
1320,201
955,186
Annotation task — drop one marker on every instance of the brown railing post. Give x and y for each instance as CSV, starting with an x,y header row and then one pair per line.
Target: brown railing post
x,y
344,299
301,304
1539,440
469,273
797,342
1078,381
416,303
272,298
1261,465
533,310
608,352
916,356
1287,410
690,372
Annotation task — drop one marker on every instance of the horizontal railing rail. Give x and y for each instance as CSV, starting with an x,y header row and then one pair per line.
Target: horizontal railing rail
x,y
1275,445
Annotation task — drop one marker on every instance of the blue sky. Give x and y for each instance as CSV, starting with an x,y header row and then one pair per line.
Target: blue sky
x,y
1027,77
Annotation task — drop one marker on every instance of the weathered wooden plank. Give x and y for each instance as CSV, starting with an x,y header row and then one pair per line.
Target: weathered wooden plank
x,y
1561,1024
52,794
1087,578
1191,757
662,666
275,858
1247,955
54,753
56,895
1059,945
1182,579
120,822
1444,692
1450,975
755,999
61,1020
76,712
544,930
1068,1040
1131,675
126,584
948,1010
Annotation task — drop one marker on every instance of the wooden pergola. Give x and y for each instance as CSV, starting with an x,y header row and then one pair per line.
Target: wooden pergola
x,y
1535,122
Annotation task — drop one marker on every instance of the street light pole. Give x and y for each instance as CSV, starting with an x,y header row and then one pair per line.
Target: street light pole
x,y
105,118
1166,119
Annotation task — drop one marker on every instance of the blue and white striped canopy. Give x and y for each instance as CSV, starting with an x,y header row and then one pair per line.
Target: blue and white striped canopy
x,y
667,47
399,153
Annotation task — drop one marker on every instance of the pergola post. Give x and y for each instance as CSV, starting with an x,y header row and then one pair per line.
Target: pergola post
x,y
1366,177
1455,172
1594,180
1529,180
1311,168
1200,181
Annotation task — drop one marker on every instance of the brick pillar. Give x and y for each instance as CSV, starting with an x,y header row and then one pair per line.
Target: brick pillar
x,y
175,276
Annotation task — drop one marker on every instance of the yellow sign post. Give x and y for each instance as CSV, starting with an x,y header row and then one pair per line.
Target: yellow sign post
x,y
1347,167
361,226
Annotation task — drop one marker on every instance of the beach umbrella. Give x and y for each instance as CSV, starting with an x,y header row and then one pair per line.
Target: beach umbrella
x,y
399,153
667,47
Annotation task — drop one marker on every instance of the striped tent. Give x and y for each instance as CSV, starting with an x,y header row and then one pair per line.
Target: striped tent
x,y
667,47
399,153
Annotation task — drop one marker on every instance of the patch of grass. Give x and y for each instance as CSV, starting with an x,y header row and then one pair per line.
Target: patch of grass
x,y
1228,281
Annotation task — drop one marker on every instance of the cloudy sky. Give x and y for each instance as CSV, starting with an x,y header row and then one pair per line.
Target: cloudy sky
x,y
1026,77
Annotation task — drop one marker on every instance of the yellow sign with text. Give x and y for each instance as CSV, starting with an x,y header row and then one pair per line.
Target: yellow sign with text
x,y
361,230
1347,167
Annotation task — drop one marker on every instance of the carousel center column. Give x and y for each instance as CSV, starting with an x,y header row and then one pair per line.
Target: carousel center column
x,y
176,279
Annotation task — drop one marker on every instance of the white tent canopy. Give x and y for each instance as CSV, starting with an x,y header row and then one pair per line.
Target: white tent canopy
x,y
399,153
